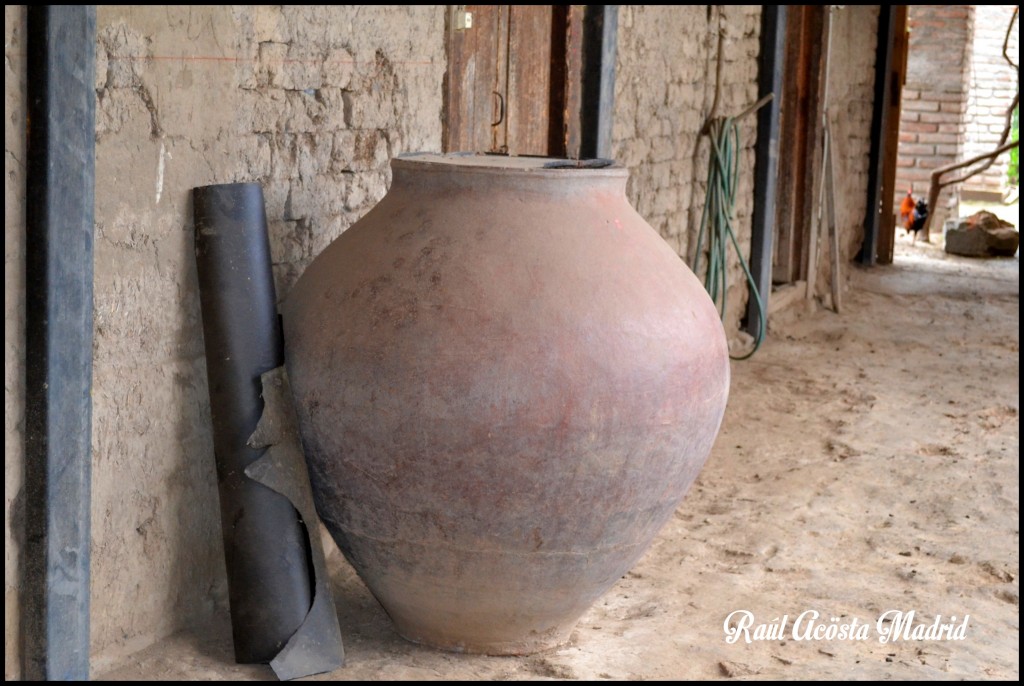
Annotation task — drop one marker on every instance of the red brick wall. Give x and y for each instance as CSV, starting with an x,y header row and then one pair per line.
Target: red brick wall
x,y
993,83
934,99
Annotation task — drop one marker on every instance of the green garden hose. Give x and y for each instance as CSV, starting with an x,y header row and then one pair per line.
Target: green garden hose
x,y
716,221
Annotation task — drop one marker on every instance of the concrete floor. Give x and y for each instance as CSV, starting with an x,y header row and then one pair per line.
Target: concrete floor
x,y
868,462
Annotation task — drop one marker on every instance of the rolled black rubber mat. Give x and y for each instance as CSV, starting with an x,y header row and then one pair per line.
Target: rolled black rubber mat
x,y
268,548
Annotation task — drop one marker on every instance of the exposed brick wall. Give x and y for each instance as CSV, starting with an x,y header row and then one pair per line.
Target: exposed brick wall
x,y
993,84
955,97
934,99
664,88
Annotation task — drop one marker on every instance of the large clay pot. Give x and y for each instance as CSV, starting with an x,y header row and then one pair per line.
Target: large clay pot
x,y
506,382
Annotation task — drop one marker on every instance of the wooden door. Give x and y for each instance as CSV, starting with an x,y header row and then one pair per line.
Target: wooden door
x,y
799,131
505,86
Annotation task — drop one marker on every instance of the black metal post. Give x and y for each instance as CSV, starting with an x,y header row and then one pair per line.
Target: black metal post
x,y
766,165
879,125
58,329
601,24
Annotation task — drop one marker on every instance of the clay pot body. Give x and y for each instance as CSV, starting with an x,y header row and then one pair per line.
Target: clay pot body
x,y
506,382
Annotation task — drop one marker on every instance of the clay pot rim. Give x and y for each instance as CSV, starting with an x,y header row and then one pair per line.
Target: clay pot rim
x,y
504,165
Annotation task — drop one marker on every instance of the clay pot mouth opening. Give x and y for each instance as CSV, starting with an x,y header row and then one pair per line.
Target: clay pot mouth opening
x,y
543,161
475,162
595,163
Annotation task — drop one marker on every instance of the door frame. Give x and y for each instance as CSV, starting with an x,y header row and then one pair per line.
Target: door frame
x,y
890,73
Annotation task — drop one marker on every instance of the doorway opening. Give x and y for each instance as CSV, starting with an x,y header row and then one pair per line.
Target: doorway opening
x,y
959,83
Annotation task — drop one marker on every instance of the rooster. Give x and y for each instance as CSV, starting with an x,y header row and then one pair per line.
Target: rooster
x,y
913,214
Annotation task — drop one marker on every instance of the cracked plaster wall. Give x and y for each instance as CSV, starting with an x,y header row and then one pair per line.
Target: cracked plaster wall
x,y
14,324
309,101
851,98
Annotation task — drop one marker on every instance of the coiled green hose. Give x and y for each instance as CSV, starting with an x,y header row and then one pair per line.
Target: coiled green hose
x,y
716,221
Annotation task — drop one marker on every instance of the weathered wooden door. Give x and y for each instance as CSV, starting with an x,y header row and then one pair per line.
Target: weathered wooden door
x,y
799,129
505,89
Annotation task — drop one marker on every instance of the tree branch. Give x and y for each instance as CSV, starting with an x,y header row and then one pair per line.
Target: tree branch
x,y
1006,40
937,185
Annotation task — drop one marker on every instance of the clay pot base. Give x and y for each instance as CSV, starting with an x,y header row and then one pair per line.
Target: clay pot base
x,y
534,642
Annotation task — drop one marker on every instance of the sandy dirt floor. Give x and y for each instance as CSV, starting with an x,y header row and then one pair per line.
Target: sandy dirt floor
x,y
868,462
